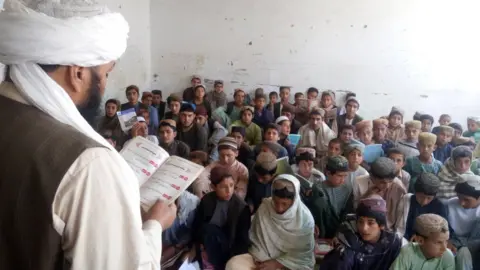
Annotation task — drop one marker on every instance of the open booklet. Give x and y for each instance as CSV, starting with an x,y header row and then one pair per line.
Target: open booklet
x,y
160,176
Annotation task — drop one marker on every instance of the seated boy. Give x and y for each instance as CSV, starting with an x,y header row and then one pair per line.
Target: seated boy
x,y
316,133
473,128
245,152
295,125
443,149
346,135
380,129
364,131
444,120
228,151
262,116
363,242
199,157
381,181
304,167
334,149
398,157
222,222
253,133
272,134
167,133
284,128
422,201
458,138
141,129
427,122
273,96
458,165
350,117
424,162
464,218
430,248
395,130
409,145
174,103
260,182
354,154
331,200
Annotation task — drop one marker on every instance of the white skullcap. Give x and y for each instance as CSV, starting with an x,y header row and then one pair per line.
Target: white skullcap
x,y
140,119
280,119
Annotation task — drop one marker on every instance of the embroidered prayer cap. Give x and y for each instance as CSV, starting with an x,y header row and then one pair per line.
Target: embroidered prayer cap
x,y
227,143
395,110
247,108
427,224
380,121
383,168
364,124
373,206
354,146
238,129
141,119
413,124
337,163
475,119
427,183
301,150
266,163
281,119
200,155
201,110
169,123
470,185
273,146
318,111
446,129
174,98
427,138
461,151
352,99
188,107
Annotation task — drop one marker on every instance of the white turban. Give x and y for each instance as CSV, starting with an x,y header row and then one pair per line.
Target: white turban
x,y
67,32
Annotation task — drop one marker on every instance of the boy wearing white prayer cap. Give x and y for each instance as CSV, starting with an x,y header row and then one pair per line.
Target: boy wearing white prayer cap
x,y
68,196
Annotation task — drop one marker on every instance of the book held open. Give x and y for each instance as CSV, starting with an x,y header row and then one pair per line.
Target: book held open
x,y
160,176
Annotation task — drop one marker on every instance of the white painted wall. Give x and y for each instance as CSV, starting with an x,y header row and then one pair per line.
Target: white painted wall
x,y
417,54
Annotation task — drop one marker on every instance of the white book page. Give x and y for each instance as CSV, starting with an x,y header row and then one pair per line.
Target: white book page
x,y
169,181
144,157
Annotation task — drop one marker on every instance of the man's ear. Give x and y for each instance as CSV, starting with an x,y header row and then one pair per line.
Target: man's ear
x,y
174,134
79,78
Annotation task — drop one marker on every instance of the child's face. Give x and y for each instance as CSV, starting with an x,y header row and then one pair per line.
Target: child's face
x,y
219,87
395,120
462,164
273,99
312,95
225,189
423,199
238,137
227,156
381,184
285,127
468,202
444,121
281,205
365,135
351,108
355,158
426,149
132,96
457,133
316,121
369,229
336,179
346,136
298,97
411,133
472,126
305,168
426,125
259,103
264,179
247,117
399,162
285,95
434,245
174,107
200,93
334,149
379,132
167,134
271,135
327,101
444,137
111,109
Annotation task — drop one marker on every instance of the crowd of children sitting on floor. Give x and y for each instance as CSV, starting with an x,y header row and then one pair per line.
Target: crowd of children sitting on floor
x,y
417,206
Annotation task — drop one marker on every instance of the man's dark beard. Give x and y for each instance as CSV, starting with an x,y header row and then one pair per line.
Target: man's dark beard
x,y
90,109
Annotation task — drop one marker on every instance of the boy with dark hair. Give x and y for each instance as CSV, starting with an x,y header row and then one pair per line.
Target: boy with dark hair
x,y
222,222
304,167
312,93
397,156
189,131
271,134
167,135
297,97
262,115
427,122
347,134
443,120
422,201
443,149
217,97
273,98
158,103
245,153
253,133
174,103
132,92
350,117
458,138
354,154
395,130
234,107
409,145
334,149
189,93
331,200
429,251
284,101
147,99
260,181
295,125
109,123
424,162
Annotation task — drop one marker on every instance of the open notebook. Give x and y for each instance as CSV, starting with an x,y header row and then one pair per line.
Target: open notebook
x,y
160,176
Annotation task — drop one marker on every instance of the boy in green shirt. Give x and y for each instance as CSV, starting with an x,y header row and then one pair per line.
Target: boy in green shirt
x,y
430,249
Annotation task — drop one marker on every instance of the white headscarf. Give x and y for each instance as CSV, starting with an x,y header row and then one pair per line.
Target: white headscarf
x,y
287,238
68,33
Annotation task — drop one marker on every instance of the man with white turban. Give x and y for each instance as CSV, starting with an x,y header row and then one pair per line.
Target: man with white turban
x,y
67,198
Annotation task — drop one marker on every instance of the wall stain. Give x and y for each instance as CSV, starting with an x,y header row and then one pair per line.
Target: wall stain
x,y
250,43
351,25
424,96
155,75
293,25
240,69
327,21
230,63
365,26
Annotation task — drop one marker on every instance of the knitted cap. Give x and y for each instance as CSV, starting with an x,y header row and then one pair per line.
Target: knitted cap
x,y
427,183
427,138
379,122
301,150
266,161
364,124
373,207
398,110
413,124
383,168
446,129
337,163
227,142
273,146
354,146
461,151
427,224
